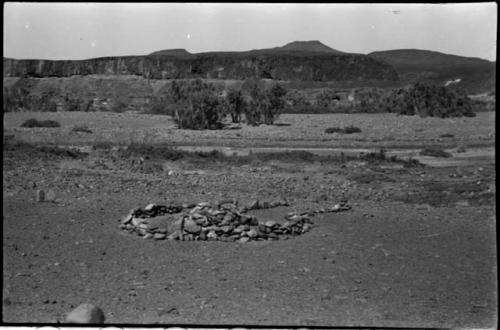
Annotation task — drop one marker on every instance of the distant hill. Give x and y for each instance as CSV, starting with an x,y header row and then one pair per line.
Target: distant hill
x,y
177,52
296,61
308,46
475,74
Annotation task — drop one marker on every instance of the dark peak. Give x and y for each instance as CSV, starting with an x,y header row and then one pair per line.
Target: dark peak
x,y
172,52
310,46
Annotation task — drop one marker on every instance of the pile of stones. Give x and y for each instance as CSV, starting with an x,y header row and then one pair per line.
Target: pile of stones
x,y
223,221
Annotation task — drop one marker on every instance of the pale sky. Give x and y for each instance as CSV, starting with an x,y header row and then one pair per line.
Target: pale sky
x,y
86,30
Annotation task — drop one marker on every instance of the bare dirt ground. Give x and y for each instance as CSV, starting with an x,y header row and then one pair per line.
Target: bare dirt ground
x,y
418,247
388,130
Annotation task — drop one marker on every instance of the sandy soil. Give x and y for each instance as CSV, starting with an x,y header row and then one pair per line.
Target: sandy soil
x,y
387,130
418,247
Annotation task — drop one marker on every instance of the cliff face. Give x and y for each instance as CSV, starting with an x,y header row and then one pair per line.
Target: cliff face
x,y
303,67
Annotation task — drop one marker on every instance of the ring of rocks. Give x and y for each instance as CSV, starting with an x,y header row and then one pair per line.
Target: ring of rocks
x,y
224,221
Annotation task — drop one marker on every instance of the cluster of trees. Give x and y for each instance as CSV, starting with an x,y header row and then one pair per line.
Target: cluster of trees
x,y
430,101
197,104
425,100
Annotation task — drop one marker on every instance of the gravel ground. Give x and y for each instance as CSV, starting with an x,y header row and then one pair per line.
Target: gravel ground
x,y
418,248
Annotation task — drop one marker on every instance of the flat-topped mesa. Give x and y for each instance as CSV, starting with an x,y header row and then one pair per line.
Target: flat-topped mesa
x,y
282,66
296,61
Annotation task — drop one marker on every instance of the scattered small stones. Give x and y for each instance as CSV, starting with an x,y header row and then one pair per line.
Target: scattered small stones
x,y
86,314
218,221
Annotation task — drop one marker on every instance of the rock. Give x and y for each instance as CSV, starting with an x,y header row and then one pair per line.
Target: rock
x,y
270,223
273,236
147,236
212,235
150,207
263,204
244,239
137,221
239,229
86,314
228,217
252,233
335,208
174,235
50,196
227,229
203,236
254,205
161,230
159,236
191,226
306,228
203,204
127,219
40,196
264,229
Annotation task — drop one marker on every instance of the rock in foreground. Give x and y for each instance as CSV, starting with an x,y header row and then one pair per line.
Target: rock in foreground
x,y
86,314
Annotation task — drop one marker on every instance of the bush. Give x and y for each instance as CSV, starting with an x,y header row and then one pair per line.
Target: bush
x,y
331,130
43,123
264,106
196,105
346,130
434,101
119,106
435,152
235,105
83,129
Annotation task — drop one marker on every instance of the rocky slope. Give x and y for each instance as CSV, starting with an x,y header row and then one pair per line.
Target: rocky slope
x,y
475,74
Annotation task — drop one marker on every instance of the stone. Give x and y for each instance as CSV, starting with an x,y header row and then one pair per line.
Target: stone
x,y
127,219
150,207
244,239
306,228
50,196
191,226
161,230
40,196
239,229
86,314
252,233
270,223
227,229
203,236
137,221
203,204
159,236
212,235
264,205
147,236
174,235
228,217
263,229
335,208
254,205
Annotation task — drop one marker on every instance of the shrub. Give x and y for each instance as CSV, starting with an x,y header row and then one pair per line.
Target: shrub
x,y
346,130
435,152
83,129
43,123
196,105
434,101
235,105
331,130
119,106
264,106
351,129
